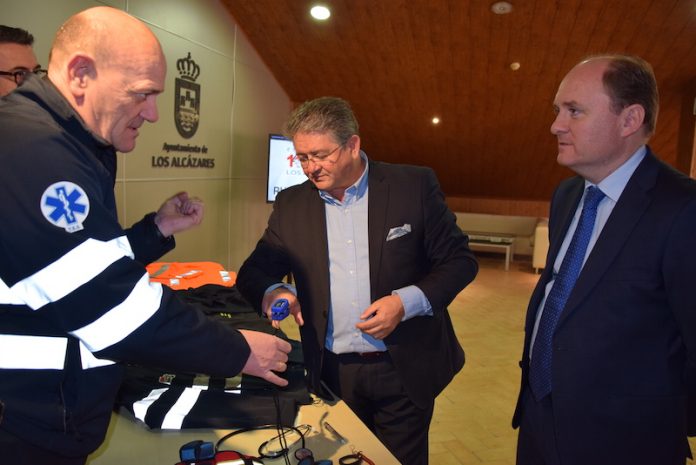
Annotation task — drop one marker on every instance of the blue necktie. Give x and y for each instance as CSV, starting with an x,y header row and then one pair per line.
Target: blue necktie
x,y
540,365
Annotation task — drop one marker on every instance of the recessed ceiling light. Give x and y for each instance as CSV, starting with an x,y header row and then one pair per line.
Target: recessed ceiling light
x,y
436,120
320,12
501,8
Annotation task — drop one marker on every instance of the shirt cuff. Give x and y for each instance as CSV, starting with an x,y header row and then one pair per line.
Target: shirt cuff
x,y
273,287
415,302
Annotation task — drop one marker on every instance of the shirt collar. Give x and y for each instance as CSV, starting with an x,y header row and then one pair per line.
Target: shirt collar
x,y
614,184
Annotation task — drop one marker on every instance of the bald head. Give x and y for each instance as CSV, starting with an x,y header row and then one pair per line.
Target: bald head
x,y
110,67
103,32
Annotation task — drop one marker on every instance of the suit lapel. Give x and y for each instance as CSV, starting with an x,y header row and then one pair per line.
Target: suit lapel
x,y
566,212
378,202
316,234
634,200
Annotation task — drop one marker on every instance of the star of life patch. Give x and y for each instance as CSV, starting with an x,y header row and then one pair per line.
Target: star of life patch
x,y
66,205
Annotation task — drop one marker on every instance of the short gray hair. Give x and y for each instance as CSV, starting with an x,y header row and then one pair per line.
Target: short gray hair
x,y
321,115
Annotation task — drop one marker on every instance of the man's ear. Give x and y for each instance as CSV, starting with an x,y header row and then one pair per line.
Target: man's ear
x,y
353,144
632,120
81,70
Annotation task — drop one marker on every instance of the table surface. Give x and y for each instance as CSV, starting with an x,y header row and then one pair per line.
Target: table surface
x,y
129,441
490,237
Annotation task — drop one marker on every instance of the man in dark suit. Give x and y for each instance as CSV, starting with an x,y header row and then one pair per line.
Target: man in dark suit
x,y
616,360
376,256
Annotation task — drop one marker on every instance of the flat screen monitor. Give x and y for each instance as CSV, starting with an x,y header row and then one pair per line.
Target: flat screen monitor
x,y
284,169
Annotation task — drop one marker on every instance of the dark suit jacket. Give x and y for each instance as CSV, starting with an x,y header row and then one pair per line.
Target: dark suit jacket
x,y
624,357
434,256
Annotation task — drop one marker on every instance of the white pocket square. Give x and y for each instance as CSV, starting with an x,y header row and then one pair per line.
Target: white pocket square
x,y
398,231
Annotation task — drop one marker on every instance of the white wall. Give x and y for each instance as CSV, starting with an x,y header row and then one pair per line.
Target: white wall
x,y
240,104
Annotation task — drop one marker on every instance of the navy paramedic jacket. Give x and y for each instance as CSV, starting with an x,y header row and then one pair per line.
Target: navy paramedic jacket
x,y
75,298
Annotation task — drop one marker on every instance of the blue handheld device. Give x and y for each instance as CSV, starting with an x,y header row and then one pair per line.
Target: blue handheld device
x,y
280,309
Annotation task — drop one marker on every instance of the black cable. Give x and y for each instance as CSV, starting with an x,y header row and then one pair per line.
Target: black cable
x,y
279,428
254,428
352,459
355,459
265,452
281,432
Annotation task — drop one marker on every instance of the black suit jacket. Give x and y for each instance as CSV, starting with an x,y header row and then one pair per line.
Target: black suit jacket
x,y
434,256
624,359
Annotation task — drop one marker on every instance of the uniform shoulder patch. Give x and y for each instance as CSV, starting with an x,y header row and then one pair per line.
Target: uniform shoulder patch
x,y
65,205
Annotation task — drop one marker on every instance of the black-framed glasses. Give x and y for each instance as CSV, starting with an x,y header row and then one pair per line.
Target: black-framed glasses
x,y
21,74
317,157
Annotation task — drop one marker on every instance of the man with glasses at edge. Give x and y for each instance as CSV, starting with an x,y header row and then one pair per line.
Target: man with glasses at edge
x,y
376,257
17,58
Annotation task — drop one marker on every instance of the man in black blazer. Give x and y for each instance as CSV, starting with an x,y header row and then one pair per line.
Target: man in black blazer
x,y
376,256
623,353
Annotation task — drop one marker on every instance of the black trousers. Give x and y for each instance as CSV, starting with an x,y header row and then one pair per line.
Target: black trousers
x,y
371,387
15,451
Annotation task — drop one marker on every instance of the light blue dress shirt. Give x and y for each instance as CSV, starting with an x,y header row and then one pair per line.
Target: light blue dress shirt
x,y
349,271
612,186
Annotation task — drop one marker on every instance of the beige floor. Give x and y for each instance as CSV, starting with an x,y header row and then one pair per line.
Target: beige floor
x,y
472,417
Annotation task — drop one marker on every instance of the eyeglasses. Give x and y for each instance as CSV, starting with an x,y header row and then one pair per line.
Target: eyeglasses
x,y
317,157
21,74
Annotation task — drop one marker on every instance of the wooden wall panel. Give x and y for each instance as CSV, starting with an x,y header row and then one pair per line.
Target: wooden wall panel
x,y
401,62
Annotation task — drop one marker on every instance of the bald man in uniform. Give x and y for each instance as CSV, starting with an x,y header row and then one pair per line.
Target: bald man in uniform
x,y
75,298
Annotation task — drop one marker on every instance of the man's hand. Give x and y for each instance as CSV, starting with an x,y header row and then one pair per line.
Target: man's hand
x,y
380,318
179,213
268,354
293,304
